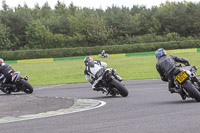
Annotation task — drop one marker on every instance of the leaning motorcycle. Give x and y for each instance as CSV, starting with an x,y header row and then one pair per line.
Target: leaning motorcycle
x,y
106,55
17,84
185,79
109,84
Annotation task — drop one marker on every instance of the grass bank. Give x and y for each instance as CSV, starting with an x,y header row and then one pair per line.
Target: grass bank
x,y
72,71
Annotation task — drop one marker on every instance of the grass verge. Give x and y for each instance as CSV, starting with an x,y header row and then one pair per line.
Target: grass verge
x,y
72,71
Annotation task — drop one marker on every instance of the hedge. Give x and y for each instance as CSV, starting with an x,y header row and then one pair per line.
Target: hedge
x,y
83,51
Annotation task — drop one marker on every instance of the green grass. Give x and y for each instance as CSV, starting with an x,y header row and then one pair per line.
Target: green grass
x,y
72,71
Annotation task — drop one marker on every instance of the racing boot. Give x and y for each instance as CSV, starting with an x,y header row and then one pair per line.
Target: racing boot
x,y
100,89
172,89
97,89
171,86
179,91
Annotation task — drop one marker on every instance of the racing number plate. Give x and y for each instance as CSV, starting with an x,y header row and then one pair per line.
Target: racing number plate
x,y
181,76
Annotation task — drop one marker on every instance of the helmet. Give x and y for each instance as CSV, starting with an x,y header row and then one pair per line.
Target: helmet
x,y
160,52
87,60
1,61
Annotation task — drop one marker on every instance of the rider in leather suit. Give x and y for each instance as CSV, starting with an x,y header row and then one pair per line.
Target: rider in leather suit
x,y
166,67
5,71
92,67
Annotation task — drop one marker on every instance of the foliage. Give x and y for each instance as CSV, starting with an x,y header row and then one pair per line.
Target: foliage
x,y
71,26
111,49
40,37
95,30
4,37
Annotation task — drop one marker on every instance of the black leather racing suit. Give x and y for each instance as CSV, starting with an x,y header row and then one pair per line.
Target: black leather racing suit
x,y
6,70
166,66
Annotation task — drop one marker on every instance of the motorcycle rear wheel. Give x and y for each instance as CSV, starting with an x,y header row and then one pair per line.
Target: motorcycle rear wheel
x,y
6,91
120,87
192,90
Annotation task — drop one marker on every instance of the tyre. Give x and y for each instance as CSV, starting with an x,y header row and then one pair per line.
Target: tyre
x,y
192,90
6,91
25,86
120,87
197,83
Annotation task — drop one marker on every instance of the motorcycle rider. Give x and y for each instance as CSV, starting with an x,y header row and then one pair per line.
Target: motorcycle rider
x,y
103,53
166,67
92,69
5,72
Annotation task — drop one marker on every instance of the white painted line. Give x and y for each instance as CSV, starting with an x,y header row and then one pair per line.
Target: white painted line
x,y
79,105
48,87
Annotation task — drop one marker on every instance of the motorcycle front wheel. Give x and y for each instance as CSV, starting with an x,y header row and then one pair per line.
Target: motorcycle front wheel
x,y
25,86
192,90
120,87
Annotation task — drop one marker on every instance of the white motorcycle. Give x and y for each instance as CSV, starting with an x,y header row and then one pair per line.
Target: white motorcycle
x,y
104,55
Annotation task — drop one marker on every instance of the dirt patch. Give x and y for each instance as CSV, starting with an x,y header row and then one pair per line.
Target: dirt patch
x,y
16,105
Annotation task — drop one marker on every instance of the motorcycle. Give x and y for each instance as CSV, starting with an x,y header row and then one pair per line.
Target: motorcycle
x,y
185,79
109,84
17,84
104,55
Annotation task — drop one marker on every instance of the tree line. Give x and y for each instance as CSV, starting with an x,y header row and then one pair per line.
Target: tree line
x,y
71,26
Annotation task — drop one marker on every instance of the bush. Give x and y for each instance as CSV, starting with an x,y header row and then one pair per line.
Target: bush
x,y
83,51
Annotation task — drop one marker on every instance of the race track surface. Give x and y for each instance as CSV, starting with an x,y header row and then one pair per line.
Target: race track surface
x,y
149,108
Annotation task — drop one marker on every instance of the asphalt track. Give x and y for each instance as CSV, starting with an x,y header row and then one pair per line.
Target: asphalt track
x,y
149,108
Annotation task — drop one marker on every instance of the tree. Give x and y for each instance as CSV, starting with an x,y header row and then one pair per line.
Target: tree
x,y
5,43
5,6
36,35
39,37
17,20
94,29
124,22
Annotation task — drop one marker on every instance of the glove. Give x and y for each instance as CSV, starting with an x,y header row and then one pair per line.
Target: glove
x,y
187,64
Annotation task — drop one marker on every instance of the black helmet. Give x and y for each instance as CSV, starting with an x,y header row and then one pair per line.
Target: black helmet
x,y
160,52
87,60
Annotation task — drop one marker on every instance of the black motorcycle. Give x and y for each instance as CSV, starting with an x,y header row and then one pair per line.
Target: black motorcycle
x,y
185,79
17,84
109,84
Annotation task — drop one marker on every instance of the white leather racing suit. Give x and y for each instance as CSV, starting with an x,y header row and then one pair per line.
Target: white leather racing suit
x,y
91,71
